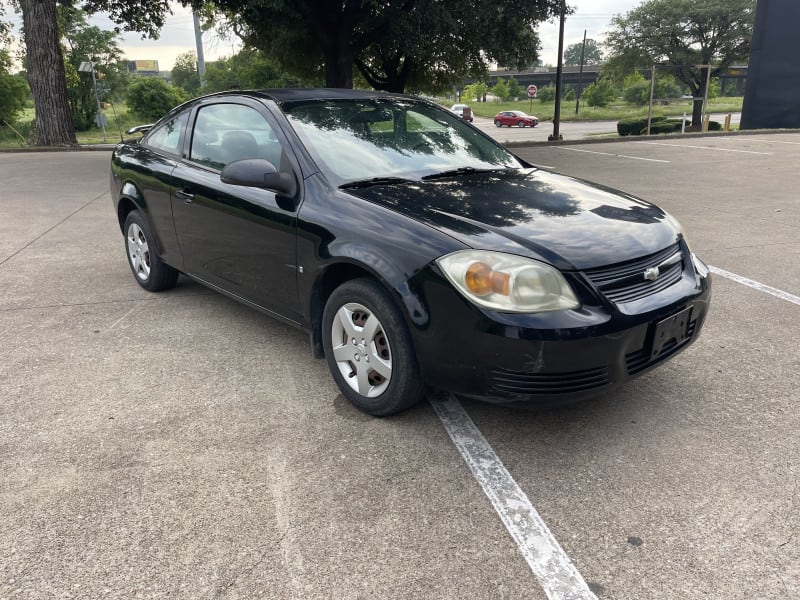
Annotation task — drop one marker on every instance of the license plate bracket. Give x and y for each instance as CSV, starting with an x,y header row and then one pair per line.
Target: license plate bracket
x,y
671,331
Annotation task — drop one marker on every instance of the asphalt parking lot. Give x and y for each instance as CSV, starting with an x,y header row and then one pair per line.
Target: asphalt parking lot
x,y
180,445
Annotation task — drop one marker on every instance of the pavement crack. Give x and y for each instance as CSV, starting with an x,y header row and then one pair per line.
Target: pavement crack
x,y
102,302
223,591
45,232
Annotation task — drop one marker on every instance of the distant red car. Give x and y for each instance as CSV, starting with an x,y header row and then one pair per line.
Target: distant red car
x,y
515,118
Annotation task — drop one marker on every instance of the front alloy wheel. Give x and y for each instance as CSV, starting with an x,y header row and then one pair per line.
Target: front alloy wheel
x,y
369,350
149,270
521,124
138,252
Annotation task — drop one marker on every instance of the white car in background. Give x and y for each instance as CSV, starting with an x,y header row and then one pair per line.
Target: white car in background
x,y
463,111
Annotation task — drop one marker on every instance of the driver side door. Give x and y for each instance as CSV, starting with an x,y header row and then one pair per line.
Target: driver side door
x,y
239,239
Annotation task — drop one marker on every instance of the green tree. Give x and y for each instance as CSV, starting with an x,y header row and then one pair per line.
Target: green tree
x,y
600,93
45,62
46,74
636,89
184,73
682,33
13,88
151,98
475,91
514,88
500,89
546,93
83,42
249,69
395,43
591,56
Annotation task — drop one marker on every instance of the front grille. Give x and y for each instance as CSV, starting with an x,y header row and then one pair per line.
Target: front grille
x,y
641,359
625,282
517,382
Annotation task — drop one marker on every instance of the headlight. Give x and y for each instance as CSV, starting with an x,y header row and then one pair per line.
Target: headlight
x,y
507,282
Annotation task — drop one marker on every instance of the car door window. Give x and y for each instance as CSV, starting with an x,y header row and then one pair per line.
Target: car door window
x,y
227,132
167,137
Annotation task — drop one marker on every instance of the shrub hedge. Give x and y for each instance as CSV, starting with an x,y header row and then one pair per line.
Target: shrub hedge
x,y
635,126
658,125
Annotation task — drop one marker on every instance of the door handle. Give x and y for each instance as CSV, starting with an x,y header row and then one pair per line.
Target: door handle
x,y
186,197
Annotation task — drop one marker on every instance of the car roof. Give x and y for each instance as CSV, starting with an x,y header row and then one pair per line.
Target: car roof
x,y
292,94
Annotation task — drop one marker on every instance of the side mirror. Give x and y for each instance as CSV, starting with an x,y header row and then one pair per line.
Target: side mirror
x,y
259,172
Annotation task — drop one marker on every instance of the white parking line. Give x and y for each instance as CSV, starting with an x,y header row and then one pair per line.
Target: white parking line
x,y
609,154
761,287
774,141
704,148
558,577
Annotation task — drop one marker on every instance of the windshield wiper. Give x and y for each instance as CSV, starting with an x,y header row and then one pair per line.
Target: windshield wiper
x,y
362,183
461,171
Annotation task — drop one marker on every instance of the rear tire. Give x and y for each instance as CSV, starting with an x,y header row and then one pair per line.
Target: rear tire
x,y
148,269
498,124
369,350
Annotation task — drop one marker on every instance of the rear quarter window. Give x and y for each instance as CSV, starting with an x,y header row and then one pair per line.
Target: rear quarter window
x,y
168,136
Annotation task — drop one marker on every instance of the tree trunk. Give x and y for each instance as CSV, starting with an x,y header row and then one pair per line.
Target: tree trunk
x,y
339,68
54,124
697,113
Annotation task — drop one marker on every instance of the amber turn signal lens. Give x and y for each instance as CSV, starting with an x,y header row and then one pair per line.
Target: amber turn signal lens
x,y
482,280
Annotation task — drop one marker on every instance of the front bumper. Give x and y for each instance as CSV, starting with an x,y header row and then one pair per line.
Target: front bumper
x,y
555,358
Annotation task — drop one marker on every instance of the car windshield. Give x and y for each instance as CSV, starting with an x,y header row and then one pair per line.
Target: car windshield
x,y
519,113
363,139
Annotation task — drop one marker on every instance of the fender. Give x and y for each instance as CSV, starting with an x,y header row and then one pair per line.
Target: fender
x,y
377,262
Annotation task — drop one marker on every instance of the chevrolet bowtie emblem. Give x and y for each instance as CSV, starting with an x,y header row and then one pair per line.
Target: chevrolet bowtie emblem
x,y
652,274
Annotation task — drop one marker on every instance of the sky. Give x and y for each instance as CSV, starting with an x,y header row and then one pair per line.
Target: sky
x,y
177,36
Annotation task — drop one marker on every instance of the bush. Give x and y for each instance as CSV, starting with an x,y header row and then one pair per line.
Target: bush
x,y
546,94
662,126
637,90
600,93
19,134
13,93
151,98
635,126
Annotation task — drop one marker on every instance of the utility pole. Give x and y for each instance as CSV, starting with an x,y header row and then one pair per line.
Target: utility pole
x,y
580,75
557,113
198,38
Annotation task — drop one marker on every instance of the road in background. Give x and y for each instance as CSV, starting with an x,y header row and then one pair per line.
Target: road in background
x,y
570,130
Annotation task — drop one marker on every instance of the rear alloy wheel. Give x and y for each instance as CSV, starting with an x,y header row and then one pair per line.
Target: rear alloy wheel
x,y
148,269
521,124
369,349
498,124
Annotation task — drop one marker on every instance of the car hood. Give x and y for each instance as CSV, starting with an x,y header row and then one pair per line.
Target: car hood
x,y
567,222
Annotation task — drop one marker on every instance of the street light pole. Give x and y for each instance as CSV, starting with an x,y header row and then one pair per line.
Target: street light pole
x,y
88,67
201,60
557,111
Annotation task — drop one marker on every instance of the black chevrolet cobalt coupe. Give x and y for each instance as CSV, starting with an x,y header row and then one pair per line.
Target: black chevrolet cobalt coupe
x,y
412,248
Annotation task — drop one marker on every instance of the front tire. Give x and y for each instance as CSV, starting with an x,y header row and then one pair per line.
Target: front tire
x,y
369,350
521,124
147,267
